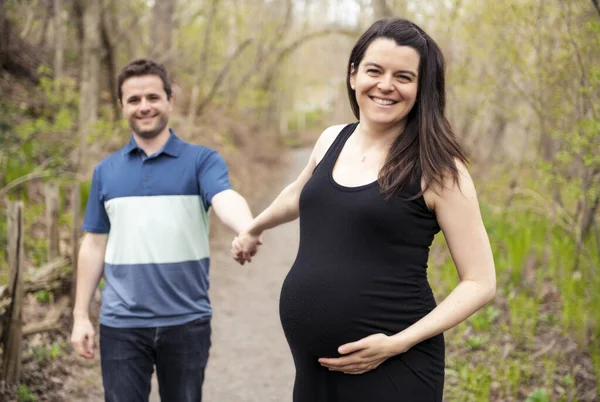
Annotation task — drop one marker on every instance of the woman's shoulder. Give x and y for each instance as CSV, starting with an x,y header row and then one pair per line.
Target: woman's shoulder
x,y
451,186
325,140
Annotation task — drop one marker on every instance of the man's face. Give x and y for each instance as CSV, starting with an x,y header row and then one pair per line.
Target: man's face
x,y
145,105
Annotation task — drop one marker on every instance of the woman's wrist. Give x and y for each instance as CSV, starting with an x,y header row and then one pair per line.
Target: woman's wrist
x,y
253,230
400,343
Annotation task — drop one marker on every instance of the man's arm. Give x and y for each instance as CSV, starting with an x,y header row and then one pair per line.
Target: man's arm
x,y
91,268
233,210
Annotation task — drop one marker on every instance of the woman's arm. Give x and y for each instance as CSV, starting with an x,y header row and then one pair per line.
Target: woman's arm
x,y
457,212
285,207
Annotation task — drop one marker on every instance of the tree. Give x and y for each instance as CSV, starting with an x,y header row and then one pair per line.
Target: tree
x,y
381,10
59,43
17,56
90,73
162,31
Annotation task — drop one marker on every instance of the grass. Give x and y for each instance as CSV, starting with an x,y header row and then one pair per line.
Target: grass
x,y
539,339
25,395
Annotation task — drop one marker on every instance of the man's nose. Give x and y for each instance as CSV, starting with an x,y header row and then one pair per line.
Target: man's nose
x,y
144,105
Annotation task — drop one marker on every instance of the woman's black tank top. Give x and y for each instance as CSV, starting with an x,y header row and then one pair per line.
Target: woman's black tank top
x,y
361,267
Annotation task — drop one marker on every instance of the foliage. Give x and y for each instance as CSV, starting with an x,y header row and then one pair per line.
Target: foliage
x,y
540,293
38,134
45,354
43,296
24,395
538,396
523,96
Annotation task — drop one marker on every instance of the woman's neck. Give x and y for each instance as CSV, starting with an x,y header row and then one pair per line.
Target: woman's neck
x,y
373,136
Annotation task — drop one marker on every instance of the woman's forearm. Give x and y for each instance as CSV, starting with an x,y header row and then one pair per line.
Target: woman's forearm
x,y
283,209
468,297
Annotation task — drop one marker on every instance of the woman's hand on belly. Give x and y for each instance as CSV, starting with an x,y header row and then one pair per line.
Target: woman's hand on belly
x,y
363,355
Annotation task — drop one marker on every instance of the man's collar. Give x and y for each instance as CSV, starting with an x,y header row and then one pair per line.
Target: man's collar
x,y
131,146
172,147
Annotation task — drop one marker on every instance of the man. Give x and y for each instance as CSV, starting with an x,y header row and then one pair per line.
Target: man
x,y
147,231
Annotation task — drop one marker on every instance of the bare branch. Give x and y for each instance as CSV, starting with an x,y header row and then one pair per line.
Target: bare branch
x,y
286,51
52,320
29,20
207,32
580,63
283,28
222,74
39,173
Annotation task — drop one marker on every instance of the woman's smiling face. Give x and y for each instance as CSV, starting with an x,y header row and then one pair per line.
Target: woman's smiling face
x,y
386,82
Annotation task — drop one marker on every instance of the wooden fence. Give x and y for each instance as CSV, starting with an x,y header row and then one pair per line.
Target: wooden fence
x,y
54,276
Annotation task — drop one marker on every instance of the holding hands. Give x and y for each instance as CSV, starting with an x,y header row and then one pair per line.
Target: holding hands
x,y
245,246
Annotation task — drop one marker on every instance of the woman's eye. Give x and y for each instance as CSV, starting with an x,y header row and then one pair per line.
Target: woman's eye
x,y
372,71
404,78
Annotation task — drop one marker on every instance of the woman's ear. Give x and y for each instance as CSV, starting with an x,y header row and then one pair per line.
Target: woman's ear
x,y
352,76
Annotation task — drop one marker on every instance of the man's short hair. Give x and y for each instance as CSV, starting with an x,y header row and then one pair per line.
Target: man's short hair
x,y
143,67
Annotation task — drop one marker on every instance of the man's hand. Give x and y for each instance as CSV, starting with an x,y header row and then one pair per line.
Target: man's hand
x,y
82,338
361,356
244,247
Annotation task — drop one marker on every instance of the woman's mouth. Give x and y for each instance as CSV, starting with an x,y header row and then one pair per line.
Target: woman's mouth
x,y
383,102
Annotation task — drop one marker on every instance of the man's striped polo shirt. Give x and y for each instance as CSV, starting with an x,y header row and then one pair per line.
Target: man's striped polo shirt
x,y
155,211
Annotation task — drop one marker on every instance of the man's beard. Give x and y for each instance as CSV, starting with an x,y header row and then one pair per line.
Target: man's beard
x,y
149,134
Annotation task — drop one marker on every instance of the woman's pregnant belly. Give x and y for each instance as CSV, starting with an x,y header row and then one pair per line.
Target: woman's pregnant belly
x,y
325,306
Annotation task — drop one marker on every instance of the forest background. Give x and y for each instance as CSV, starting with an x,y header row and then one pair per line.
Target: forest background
x,y
253,78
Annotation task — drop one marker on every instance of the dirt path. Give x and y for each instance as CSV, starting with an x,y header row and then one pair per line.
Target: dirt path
x,y
250,360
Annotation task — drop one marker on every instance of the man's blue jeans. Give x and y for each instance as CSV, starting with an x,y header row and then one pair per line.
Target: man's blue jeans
x,y
180,353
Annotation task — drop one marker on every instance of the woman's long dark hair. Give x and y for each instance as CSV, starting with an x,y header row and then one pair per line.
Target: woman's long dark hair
x,y
427,148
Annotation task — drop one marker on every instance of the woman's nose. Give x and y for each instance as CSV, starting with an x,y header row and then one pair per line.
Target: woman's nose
x,y
385,83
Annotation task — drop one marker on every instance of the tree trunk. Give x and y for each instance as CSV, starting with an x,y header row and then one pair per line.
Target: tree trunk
x,y
109,60
90,72
162,27
17,57
202,66
52,216
48,14
59,40
12,336
381,10
75,204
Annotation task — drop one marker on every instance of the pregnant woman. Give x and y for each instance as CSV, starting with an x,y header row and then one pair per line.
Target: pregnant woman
x,y
356,306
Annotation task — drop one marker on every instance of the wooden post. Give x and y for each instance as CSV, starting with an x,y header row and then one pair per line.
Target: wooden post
x,y
12,337
52,214
75,201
